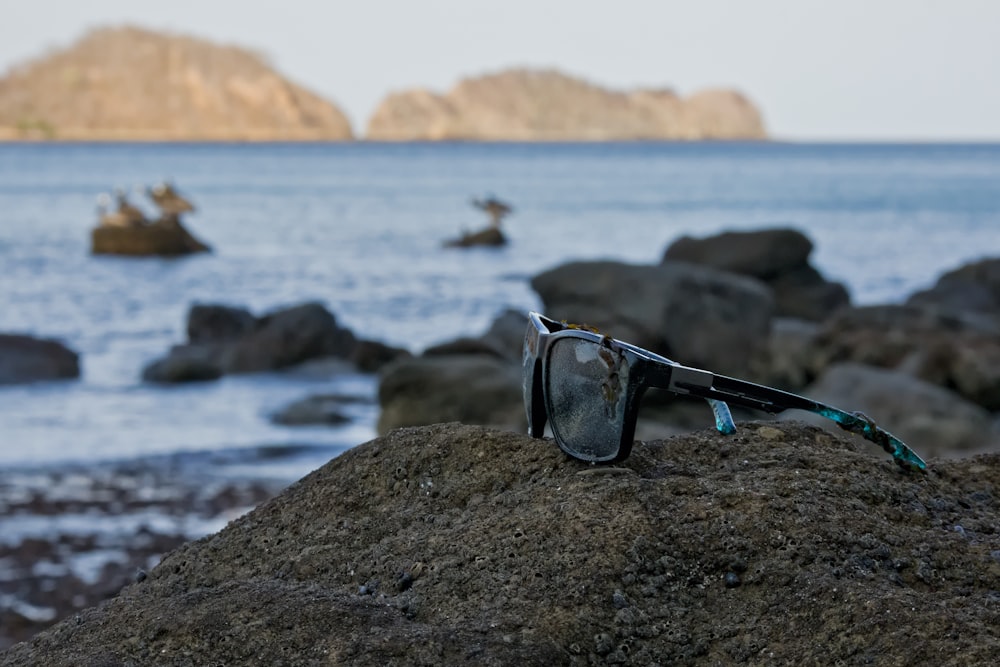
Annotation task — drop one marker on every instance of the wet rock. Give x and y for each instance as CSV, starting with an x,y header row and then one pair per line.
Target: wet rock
x,y
778,257
696,315
861,559
28,359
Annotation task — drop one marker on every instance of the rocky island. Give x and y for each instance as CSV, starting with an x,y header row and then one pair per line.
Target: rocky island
x,y
132,84
547,105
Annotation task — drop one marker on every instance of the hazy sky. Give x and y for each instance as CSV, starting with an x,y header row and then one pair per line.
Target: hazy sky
x,y
836,69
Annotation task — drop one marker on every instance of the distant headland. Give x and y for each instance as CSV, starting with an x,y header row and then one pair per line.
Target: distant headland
x,y
134,84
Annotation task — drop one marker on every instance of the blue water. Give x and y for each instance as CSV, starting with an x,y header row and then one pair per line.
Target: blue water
x,y
360,228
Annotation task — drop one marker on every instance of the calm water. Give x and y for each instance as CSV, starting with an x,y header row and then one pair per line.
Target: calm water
x,y
359,227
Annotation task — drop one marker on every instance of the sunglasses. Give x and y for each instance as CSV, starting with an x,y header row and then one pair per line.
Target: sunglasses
x,y
587,386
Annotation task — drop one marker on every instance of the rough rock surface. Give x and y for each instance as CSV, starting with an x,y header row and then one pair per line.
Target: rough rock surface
x,y
546,105
134,84
453,544
29,359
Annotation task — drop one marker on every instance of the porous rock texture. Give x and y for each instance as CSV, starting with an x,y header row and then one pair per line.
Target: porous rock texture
x,y
452,544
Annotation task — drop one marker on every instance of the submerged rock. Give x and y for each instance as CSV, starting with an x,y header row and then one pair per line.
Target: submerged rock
x,y
453,544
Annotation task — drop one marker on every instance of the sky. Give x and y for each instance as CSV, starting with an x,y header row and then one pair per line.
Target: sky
x,y
831,70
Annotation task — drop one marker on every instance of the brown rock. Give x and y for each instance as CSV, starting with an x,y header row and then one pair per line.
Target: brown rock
x,y
457,545
134,84
165,238
546,105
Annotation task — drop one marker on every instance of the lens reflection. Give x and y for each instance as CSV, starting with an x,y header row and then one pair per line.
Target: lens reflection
x,y
587,393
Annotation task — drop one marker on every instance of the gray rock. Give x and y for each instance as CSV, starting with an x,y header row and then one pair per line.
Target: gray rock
x,y
779,257
185,363
947,349
473,389
696,315
26,359
287,337
928,418
214,323
313,410
971,288
226,340
765,254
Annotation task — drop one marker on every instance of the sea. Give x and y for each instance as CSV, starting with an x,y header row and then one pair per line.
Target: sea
x,y
361,227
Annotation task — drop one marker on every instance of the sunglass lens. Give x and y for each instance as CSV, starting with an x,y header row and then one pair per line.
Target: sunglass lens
x,y
587,385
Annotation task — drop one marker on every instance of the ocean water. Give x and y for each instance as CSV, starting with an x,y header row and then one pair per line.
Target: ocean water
x,y
360,228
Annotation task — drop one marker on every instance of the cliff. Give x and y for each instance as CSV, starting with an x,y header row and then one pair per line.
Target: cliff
x,y
546,105
133,84
459,545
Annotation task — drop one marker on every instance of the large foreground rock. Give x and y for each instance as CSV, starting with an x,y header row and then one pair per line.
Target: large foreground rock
x,y
452,544
28,359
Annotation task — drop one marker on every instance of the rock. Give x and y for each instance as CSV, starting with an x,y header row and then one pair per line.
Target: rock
x,y
26,359
226,340
546,105
322,409
455,545
165,238
787,360
133,84
947,349
696,315
490,236
928,418
287,337
779,257
474,389
370,356
215,323
185,363
971,288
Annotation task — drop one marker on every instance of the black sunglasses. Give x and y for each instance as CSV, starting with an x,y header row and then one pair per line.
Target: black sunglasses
x,y
588,386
